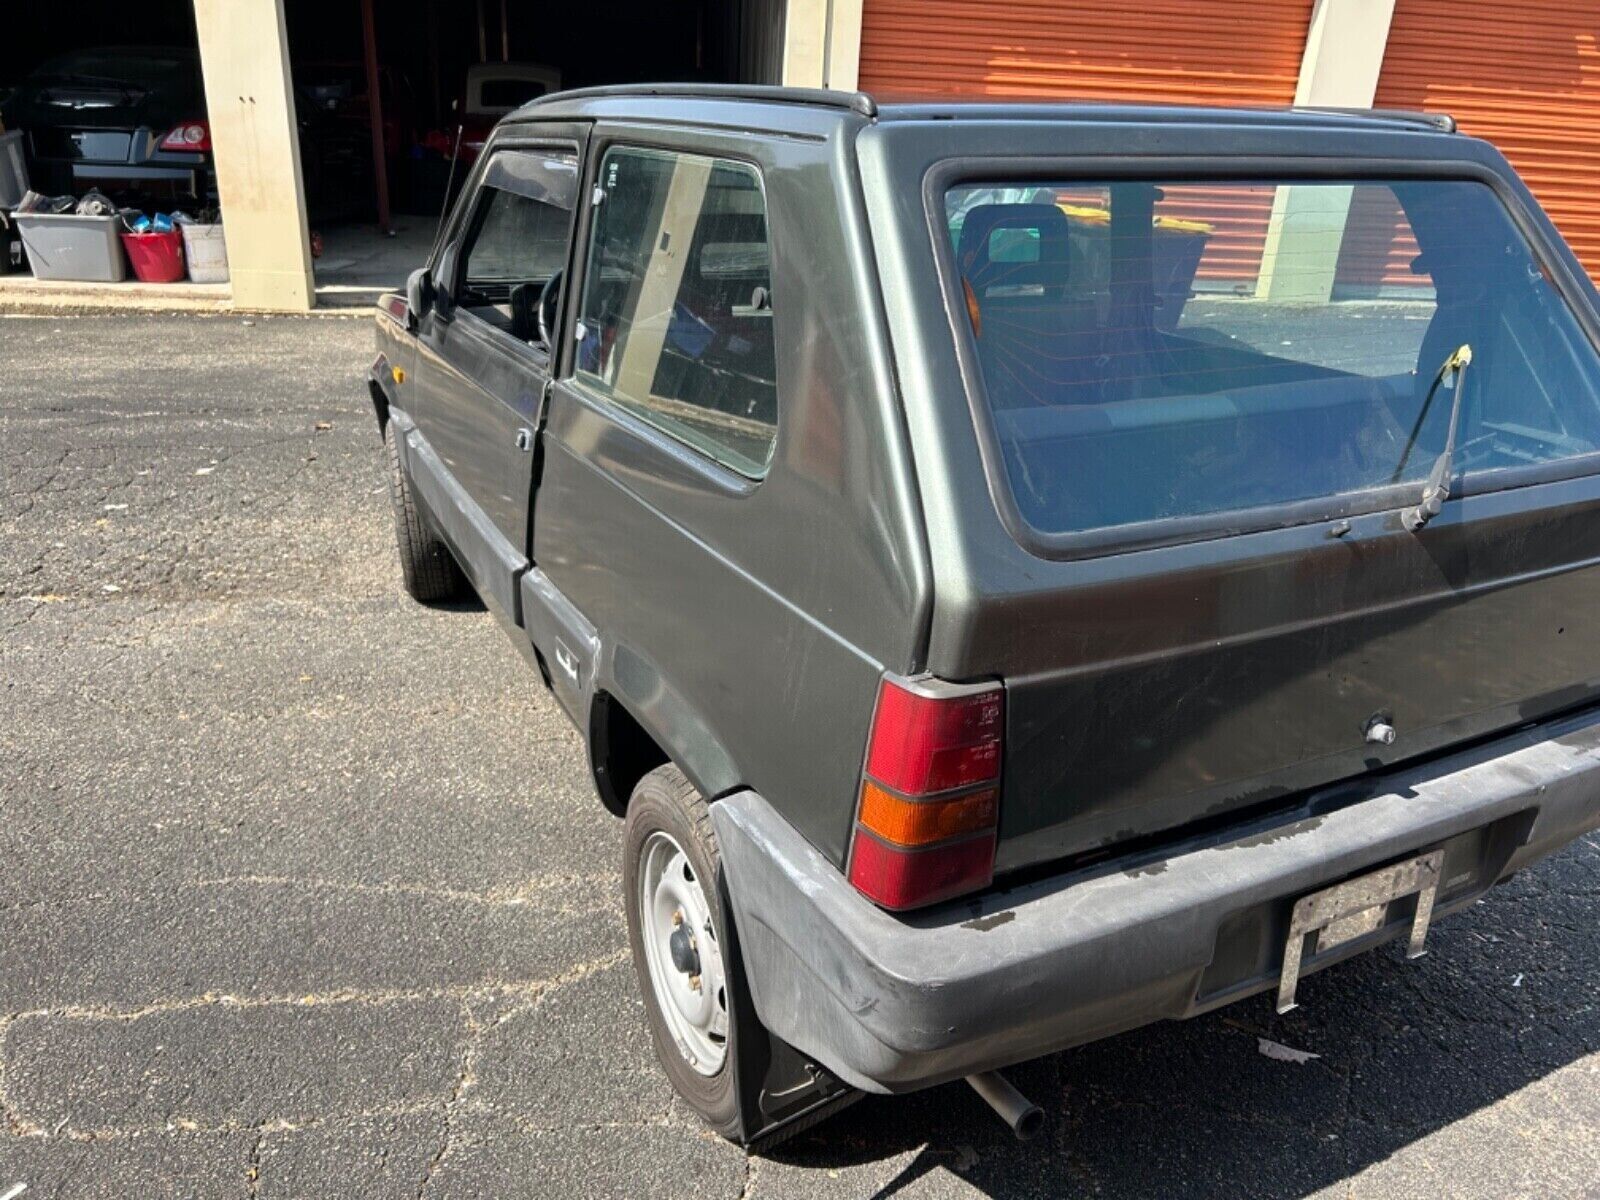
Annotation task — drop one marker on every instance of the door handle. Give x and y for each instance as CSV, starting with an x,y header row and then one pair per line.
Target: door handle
x,y
524,439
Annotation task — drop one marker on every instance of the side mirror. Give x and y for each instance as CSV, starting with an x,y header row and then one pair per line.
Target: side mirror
x,y
419,295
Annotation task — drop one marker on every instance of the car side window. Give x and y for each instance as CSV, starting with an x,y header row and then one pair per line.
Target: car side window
x,y
676,319
516,244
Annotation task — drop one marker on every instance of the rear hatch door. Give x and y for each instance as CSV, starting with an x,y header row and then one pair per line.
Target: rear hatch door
x,y
1204,407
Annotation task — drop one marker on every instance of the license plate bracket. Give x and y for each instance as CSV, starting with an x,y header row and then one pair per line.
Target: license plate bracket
x,y
1353,909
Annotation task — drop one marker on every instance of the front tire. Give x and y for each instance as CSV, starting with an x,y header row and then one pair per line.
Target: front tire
x,y
682,945
427,568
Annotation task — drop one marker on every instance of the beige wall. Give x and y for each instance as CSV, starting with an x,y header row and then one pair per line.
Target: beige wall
x,y
244,55
822,43
1344,53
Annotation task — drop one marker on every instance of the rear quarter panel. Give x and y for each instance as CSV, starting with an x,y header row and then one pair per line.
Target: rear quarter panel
x,y
746,624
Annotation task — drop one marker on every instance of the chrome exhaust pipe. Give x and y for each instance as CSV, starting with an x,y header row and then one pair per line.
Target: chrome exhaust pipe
x,y
1024,1116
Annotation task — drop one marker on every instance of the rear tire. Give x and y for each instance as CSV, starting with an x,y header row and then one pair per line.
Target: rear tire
x,y
672,879
427,568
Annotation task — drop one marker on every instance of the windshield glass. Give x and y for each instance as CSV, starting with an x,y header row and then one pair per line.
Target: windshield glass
x,y
1160,350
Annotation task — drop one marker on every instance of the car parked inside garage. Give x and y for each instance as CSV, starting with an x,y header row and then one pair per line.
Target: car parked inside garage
x,y
1002,619
131,121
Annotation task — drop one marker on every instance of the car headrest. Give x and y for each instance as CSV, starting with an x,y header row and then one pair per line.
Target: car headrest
x,y
975,255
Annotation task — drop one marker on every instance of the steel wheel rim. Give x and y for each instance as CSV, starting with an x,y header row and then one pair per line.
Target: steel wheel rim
x,y
692,1002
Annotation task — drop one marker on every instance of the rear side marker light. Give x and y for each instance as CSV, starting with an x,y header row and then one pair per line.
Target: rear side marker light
x,y
929,804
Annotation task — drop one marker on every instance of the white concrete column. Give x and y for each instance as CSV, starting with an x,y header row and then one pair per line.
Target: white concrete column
x,y
822,43
844,45
1344,53
244,56
1339,69
805,43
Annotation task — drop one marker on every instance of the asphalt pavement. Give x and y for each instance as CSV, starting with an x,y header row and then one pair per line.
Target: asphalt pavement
x,y
304,891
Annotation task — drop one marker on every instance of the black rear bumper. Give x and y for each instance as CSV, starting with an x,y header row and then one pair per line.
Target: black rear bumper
x,y
894,1003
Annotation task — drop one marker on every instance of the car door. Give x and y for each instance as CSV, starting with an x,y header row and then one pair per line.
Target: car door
x,y
660,433
483,361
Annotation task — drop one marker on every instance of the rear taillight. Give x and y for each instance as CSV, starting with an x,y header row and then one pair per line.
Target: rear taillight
x,y
193,136
930,796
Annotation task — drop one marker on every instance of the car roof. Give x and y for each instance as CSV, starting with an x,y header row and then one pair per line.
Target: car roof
x,y
654,99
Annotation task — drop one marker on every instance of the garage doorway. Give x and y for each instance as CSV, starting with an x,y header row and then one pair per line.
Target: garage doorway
x,y
450,69
376,177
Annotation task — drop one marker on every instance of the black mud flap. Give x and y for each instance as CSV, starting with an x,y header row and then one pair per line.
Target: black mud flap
x,y
781,1092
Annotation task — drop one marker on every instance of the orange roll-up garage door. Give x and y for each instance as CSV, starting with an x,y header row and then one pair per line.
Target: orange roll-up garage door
x,y
1525,74
1164,51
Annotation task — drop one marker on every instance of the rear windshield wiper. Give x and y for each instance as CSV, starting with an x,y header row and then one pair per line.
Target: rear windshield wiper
x,y
1437,488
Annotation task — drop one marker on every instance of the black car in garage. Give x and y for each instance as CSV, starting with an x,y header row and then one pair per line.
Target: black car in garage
x,y
118,118
131,121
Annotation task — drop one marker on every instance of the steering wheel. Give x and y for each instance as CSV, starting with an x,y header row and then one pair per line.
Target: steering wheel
x,y
548,299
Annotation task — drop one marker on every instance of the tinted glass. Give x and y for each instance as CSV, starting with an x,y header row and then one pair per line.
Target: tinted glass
x,y
518,239
1174,350
677,307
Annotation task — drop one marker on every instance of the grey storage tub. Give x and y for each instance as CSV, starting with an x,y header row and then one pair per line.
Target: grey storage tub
x,y
67,246
10,245
13,170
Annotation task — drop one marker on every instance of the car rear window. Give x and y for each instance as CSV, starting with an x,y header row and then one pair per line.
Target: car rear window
x,y
1158,350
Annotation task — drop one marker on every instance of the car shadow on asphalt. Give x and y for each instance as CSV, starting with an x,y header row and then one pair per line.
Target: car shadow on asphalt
x,y
468,603
1405,1050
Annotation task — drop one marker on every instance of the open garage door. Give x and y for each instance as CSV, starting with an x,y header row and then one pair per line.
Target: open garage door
x,y
443,66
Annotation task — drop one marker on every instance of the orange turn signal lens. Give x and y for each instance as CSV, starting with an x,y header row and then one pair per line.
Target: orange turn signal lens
x,y
923,822
974,313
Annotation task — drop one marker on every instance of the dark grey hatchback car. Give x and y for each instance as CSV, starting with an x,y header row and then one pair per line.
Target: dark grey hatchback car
x,y
1022,572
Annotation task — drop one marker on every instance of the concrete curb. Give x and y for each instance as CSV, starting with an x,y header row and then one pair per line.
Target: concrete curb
x,y
20,293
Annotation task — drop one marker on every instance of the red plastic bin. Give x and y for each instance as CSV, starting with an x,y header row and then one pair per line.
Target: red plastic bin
x,y
156,257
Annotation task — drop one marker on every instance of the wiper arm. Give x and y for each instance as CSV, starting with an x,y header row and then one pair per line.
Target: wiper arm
x,y
1437,489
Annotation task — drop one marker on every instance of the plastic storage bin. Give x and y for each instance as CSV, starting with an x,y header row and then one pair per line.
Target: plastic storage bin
x,y
13,170
67,246
156,257
206,251
10,246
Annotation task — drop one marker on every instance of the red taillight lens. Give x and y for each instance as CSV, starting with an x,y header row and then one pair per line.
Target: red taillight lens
x,y
193,136
901,879
929,803
924,744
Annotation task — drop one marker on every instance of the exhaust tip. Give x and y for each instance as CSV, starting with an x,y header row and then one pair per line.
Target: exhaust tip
x,y
1025,1118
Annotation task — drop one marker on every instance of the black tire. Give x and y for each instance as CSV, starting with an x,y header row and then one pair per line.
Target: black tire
x,y
427,567
664,801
